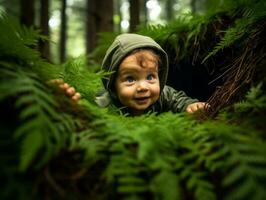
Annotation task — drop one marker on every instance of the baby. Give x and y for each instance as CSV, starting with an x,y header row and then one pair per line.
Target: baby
x,y
137,85
138,69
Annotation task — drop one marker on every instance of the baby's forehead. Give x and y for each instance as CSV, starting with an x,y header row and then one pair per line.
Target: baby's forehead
x,y
143,57
133,68
146,54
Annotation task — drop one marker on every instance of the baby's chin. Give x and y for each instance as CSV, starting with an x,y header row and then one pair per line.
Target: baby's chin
x,y
139,109
141,106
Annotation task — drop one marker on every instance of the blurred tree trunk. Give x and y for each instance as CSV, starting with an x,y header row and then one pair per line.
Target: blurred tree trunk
x,y
27,14
44,25
99,19
91,26
134,10
144,12
105,15
119,15
198,5
169,9
193,6
63,32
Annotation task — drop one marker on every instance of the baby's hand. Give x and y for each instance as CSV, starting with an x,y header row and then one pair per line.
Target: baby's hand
x,y
191,108
67,89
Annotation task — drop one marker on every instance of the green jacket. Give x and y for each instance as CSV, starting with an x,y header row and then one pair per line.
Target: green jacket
x,y
170,99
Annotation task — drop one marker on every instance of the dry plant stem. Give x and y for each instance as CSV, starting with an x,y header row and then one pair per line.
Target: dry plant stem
x,y
79,174
238,75
52,182
75,176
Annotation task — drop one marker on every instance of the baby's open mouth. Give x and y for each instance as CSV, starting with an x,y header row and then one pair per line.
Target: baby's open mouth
x,y
142,100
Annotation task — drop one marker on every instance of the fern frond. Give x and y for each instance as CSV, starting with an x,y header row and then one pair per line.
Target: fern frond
x,y
243,159
165,185
37,114
244,26
85,81
12,43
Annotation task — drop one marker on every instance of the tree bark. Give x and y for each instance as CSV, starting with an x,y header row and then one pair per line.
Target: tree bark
x,y
144,13
193,6
63,32
119,14
169,10
44,46
91,26
99,19
104,19
27,14
134,10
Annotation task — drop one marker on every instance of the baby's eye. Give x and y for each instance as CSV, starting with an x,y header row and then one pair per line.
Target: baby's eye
x,y
130,79
150,77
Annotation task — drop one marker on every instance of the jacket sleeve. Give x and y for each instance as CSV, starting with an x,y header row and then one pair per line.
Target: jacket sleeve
x,y
175,101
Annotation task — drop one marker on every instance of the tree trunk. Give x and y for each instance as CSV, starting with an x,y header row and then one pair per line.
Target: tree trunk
x,y
169,10
104,19
144,13
193,6
134,10
119,14
99,19
44,25
91,26
63,31
27,14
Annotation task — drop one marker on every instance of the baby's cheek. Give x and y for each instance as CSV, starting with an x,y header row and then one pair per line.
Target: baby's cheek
x,y
156,93
125,93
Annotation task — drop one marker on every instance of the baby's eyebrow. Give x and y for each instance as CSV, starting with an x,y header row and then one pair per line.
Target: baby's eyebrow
x,y
127,71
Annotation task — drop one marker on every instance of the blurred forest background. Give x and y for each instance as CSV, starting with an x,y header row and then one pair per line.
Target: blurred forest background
x,y
78,27
52,148
73,25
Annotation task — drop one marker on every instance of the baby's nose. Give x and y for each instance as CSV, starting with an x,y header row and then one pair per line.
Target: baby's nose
x,y
142,86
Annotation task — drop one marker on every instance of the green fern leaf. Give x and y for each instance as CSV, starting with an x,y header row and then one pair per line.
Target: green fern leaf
x,y
166,185
31,144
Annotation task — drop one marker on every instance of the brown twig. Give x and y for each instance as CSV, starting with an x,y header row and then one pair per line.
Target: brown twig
x,y
52,182
237,75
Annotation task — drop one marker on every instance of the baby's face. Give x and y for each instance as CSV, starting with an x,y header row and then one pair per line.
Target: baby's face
x,y
137,83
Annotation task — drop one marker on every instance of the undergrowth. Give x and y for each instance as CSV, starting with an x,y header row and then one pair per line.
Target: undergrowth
x,y
52,148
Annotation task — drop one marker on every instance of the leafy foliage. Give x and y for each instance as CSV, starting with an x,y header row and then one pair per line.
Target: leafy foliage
x,y
76,74
69,151
252,13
